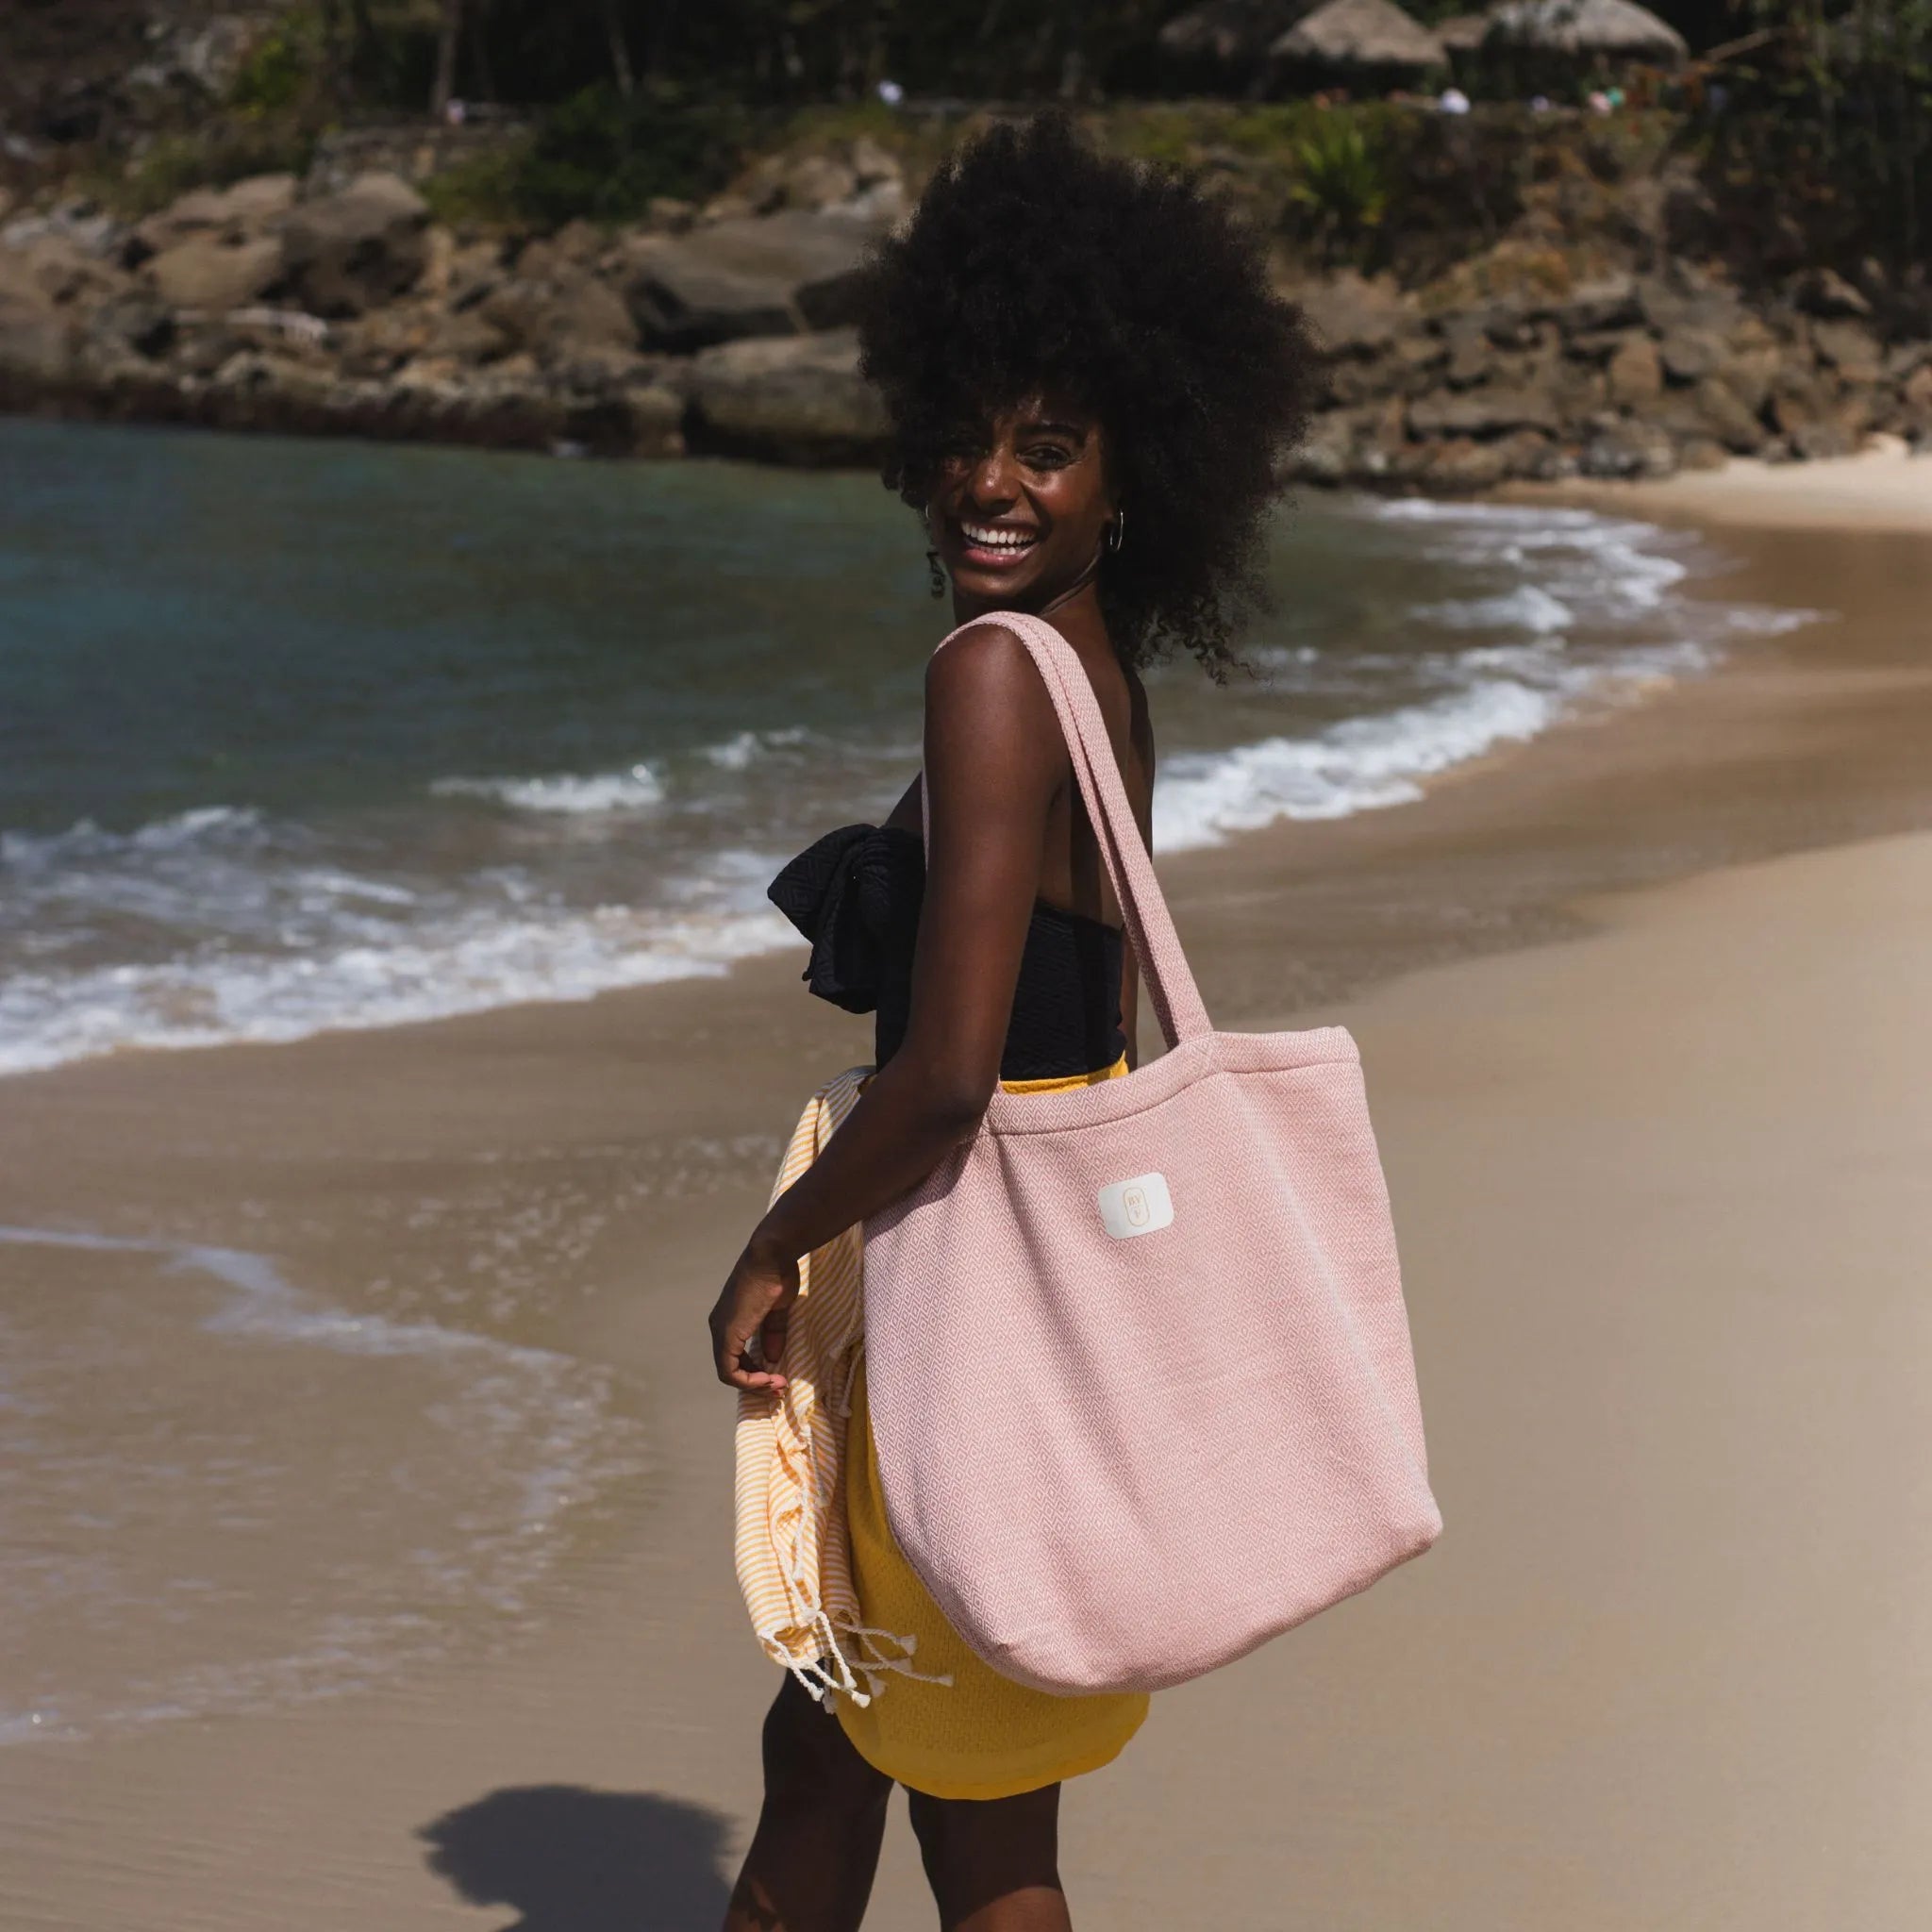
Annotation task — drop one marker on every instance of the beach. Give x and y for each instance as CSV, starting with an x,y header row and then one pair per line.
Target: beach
x,y
1641,1006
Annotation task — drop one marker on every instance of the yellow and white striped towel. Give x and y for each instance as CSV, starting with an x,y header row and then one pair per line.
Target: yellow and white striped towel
x,y
792,1555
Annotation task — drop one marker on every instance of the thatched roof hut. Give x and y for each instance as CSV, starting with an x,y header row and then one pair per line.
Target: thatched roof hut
x,y
1463,33
1355,36
1589,29
1232,34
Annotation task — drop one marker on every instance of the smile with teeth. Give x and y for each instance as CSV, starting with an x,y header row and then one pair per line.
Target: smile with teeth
x,y
990,537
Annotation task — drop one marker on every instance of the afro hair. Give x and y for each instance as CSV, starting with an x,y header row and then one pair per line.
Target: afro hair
x,y
1034,264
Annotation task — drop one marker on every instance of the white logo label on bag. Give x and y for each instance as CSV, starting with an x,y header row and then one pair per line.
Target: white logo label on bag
x,y
1141,1206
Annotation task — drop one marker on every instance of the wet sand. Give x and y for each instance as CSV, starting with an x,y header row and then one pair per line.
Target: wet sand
x,y
1655,1108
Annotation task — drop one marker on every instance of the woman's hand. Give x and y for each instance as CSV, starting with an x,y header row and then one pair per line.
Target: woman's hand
x,y
754,1305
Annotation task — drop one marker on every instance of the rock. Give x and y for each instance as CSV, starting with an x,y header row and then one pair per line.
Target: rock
x,y
1799,400
818,182
1595,345
1352,382
1822,292
1326,453
1482,413
474,270
1749,375
1351,315
1815,441
871,163
207,273
1701,453
603,370
378,344
1608,303
1420,354
1531,453
1907,359
36,353
1628,449
553,314
350,252
1462,464
785,275
1636,374
636,421
1850,348
47,267
466,335
1670,303
1726,416
248,207
797,400
1917,390
1510,326
666,212
578,242
438,263
1470,353
77,221
135,324
1689,354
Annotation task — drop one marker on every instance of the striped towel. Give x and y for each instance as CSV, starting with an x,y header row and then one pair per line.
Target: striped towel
x,y
792,1556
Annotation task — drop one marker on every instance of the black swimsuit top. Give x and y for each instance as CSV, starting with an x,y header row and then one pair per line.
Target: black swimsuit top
x,y
855,895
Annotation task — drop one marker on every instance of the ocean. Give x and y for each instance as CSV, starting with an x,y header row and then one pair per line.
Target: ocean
x,y
299,736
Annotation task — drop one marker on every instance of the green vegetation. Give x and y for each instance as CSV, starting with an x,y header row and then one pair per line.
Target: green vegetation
x,y
284,70
1342,178
1829,120
1808,123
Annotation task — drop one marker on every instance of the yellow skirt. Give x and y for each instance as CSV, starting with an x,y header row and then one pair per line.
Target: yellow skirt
x,y
981,1735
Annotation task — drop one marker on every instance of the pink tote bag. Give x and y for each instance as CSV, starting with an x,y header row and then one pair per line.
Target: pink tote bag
x,y
1137,1357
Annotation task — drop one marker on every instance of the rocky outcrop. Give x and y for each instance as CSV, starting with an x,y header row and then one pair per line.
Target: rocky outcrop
x,y
1620,374
337,306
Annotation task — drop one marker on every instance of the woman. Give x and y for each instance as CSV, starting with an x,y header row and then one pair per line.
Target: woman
x,y
1090,385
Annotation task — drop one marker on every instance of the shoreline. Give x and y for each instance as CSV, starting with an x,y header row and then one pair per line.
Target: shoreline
x,y
1622,1167
1757,571
1882,490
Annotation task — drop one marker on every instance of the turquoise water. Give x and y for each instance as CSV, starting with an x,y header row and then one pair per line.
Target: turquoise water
x,y
305,735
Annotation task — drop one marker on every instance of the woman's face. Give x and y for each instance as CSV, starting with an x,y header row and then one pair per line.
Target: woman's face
x,y
1020,509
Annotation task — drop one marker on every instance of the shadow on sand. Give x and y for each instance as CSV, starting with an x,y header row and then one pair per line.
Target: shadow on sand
x,y
576,1860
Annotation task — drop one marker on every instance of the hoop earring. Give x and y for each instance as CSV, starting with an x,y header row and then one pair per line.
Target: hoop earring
x,y
1117,531
935,574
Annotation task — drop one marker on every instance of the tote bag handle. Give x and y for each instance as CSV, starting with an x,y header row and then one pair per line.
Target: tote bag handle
x,y
1123,851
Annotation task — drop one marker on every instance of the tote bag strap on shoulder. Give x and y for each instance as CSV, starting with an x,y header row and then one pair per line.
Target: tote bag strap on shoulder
x,y
1123,852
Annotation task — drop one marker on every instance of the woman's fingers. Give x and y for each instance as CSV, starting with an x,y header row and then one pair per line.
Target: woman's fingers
x,y
740,1366
749,1322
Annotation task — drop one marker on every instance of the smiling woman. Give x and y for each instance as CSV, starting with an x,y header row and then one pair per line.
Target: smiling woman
x,y
1061,311
1063,343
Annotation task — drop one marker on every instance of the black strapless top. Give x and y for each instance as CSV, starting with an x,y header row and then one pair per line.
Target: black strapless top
x,y
855,895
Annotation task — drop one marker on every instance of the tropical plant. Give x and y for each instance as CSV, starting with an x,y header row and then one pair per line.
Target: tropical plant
x,y
1341,178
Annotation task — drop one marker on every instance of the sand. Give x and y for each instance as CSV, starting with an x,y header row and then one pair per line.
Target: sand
x,y
1642,1012
1883,487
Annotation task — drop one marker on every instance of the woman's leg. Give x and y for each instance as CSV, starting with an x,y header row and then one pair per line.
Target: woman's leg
x,y
993,1863
812,1857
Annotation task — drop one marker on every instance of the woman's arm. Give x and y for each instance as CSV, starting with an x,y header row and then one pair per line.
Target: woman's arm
x,y
994,759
